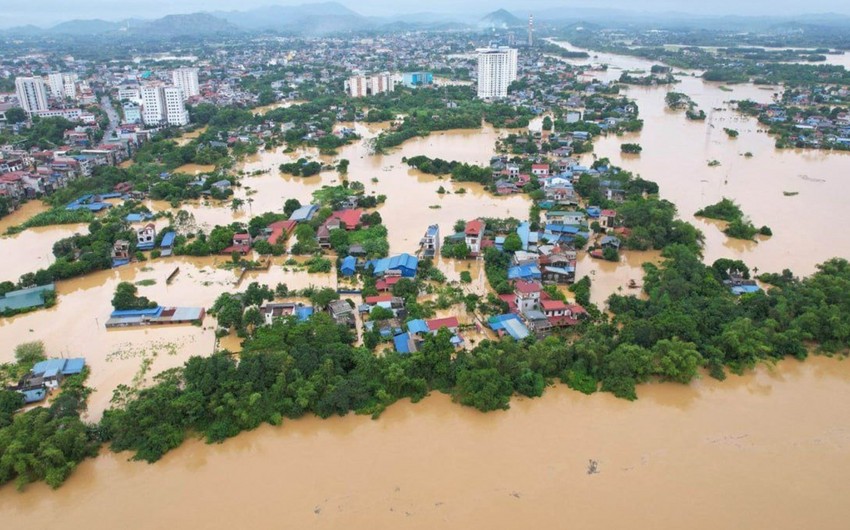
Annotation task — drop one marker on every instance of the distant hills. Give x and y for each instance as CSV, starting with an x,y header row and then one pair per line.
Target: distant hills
x,y
500,19
323,17
167,26
332,17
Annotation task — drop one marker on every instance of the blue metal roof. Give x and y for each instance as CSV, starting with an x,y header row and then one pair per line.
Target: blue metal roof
x,y
524,271
418,326
562,229
406,263
25,298
349,265
402,343
516,329
305,213
168,239
524,233
33,396
137,312
53,367
74,366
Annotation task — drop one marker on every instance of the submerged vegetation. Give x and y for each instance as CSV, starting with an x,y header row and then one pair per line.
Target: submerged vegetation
x,y
739,226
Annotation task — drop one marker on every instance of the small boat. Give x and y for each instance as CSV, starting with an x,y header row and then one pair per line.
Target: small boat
x,y
633,284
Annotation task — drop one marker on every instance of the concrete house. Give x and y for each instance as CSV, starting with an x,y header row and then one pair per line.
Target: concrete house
x,y
146,237
474,233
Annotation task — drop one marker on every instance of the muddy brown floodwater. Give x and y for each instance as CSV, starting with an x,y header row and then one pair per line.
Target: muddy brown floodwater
x,y
767,450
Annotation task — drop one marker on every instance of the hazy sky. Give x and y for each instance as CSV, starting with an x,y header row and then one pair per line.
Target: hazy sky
x,y
49,12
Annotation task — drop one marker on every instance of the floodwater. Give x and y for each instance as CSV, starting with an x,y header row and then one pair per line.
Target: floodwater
x,y
676,153
195,169
770,449
766,450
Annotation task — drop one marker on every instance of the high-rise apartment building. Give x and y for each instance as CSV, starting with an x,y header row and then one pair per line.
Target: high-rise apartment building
x,y
186,79
62,85
32,94
360,85
163,106
496,70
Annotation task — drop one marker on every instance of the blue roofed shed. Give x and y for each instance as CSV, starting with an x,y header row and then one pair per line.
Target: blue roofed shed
x,y
349,266
402,343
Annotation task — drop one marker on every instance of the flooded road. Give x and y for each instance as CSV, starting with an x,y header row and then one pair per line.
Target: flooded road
x,y
767,450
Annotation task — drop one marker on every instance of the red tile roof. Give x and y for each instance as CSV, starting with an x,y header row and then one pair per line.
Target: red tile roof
x,y
385,283
437,323
279,228
474,227
350,218
526,287
372,300
553,305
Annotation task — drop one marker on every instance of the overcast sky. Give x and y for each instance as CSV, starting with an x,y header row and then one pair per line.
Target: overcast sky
x,y
49,12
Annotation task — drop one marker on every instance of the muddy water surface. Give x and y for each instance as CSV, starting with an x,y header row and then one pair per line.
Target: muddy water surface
x,y
770,449
767,450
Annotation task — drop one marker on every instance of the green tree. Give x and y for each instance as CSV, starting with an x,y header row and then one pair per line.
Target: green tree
x,y
676,360
512,243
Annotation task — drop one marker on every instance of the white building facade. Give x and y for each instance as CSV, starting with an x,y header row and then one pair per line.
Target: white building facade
x,y
163,106
186,79
32,94
359,86
497,68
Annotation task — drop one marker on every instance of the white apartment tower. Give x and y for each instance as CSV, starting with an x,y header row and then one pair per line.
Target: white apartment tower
x,y
359,86
186,79
62,85
175,110
31,94
163,106
496,70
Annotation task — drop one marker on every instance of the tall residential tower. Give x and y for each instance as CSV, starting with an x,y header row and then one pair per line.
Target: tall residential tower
x,y
31,94
496,70
186,79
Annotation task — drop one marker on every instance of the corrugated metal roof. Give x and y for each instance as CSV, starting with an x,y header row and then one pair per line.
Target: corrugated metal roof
x,y
516,329
137,312
418,326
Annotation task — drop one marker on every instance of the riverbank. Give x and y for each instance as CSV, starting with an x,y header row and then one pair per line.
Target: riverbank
x,y
760,456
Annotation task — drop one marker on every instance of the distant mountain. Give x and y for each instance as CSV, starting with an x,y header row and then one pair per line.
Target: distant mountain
x,y
85,27
185,25
500,19
318,18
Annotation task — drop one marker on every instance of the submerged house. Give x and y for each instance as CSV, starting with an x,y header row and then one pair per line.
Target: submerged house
x,y
155,316
23,299
403,265
45,376
146,237
430,243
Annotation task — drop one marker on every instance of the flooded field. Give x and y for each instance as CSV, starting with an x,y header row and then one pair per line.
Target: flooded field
x,y
767,450
770,449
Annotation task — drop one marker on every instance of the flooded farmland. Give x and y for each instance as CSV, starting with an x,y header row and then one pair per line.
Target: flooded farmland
x,y
769,449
